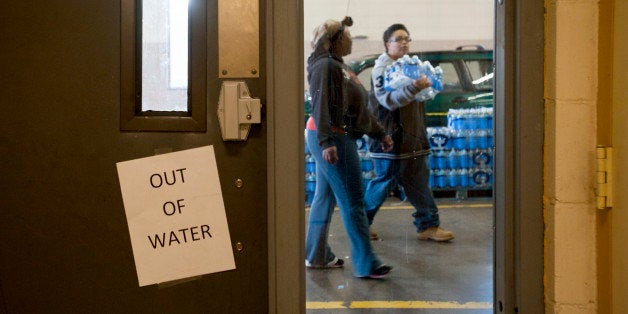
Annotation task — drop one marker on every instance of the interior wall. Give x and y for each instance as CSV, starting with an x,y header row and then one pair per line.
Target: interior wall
x,y
433,24
426,20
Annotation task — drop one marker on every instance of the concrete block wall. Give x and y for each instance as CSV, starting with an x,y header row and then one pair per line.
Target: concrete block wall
x,y
570,103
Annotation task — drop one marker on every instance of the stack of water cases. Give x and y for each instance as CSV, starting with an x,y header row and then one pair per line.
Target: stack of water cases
x,y
310,176
462,152
366,165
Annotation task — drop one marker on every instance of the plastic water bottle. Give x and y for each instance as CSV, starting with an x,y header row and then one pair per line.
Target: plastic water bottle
x,y
463,176
310,164
458,139
482,136
481,177
306,148
425,94
470,182
476,115
489,172
431,160
441,159
439,178
453,159
457,119
484,119
434,74
450,118
310,182
490,138
437,79
487,118
411,70
439,138
452,178
489,151
465,161
394,77
470,139
481,157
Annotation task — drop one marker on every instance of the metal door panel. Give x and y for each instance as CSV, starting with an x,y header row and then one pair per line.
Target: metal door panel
x,y
66,244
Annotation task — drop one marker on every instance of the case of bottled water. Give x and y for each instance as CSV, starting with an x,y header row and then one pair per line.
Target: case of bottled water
x,y
406,70
462,152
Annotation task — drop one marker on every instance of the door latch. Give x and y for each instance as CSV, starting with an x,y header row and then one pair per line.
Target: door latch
x,y
604,175
237,110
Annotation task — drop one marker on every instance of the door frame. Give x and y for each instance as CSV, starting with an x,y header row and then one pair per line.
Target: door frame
x,y
618,215
286,172
519,125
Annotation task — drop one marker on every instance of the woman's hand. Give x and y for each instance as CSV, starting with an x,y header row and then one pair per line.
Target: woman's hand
x,y
330,155
387,143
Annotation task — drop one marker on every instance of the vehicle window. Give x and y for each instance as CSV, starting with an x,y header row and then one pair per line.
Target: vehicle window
x,y
481,74
451,82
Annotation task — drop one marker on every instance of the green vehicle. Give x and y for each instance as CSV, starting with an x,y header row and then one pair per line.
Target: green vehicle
x,y
467,80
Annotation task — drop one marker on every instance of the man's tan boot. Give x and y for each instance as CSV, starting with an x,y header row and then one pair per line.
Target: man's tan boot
x,y
435,234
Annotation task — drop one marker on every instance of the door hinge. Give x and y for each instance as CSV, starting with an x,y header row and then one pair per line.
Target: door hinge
x,y
604,175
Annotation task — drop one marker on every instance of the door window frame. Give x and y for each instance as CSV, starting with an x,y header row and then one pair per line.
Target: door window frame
x,y
132,118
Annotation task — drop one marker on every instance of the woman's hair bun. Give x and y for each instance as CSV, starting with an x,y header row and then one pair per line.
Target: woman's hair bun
x,y
348,21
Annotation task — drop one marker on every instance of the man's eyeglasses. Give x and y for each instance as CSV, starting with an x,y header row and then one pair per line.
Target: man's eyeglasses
x,y
399,39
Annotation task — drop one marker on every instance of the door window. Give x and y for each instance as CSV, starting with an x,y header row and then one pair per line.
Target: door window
x,y
164,55
163,65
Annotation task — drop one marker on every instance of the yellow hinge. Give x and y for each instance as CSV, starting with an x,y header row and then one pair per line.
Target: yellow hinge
x,y
604,184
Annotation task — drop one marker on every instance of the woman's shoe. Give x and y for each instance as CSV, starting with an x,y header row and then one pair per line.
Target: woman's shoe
x,y
380,272
335,263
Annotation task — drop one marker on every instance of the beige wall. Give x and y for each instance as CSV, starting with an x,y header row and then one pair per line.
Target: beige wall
x,y
426,19
570,140
433,24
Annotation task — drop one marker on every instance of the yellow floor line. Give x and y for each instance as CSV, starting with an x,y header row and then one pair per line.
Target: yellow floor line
x,y
397,305
442,206
325,305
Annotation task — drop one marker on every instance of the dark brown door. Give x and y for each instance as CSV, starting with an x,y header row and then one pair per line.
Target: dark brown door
x,y
65,240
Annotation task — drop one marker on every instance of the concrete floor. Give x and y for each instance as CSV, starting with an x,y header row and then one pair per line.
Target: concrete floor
x,y
427,277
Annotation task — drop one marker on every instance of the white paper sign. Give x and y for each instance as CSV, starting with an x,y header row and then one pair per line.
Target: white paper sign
x,y
176,215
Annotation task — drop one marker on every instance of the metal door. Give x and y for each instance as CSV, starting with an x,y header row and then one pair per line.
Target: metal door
x,y
65,240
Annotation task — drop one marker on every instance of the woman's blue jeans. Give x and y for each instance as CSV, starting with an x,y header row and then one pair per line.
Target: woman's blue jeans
x,y
413,174
340,183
